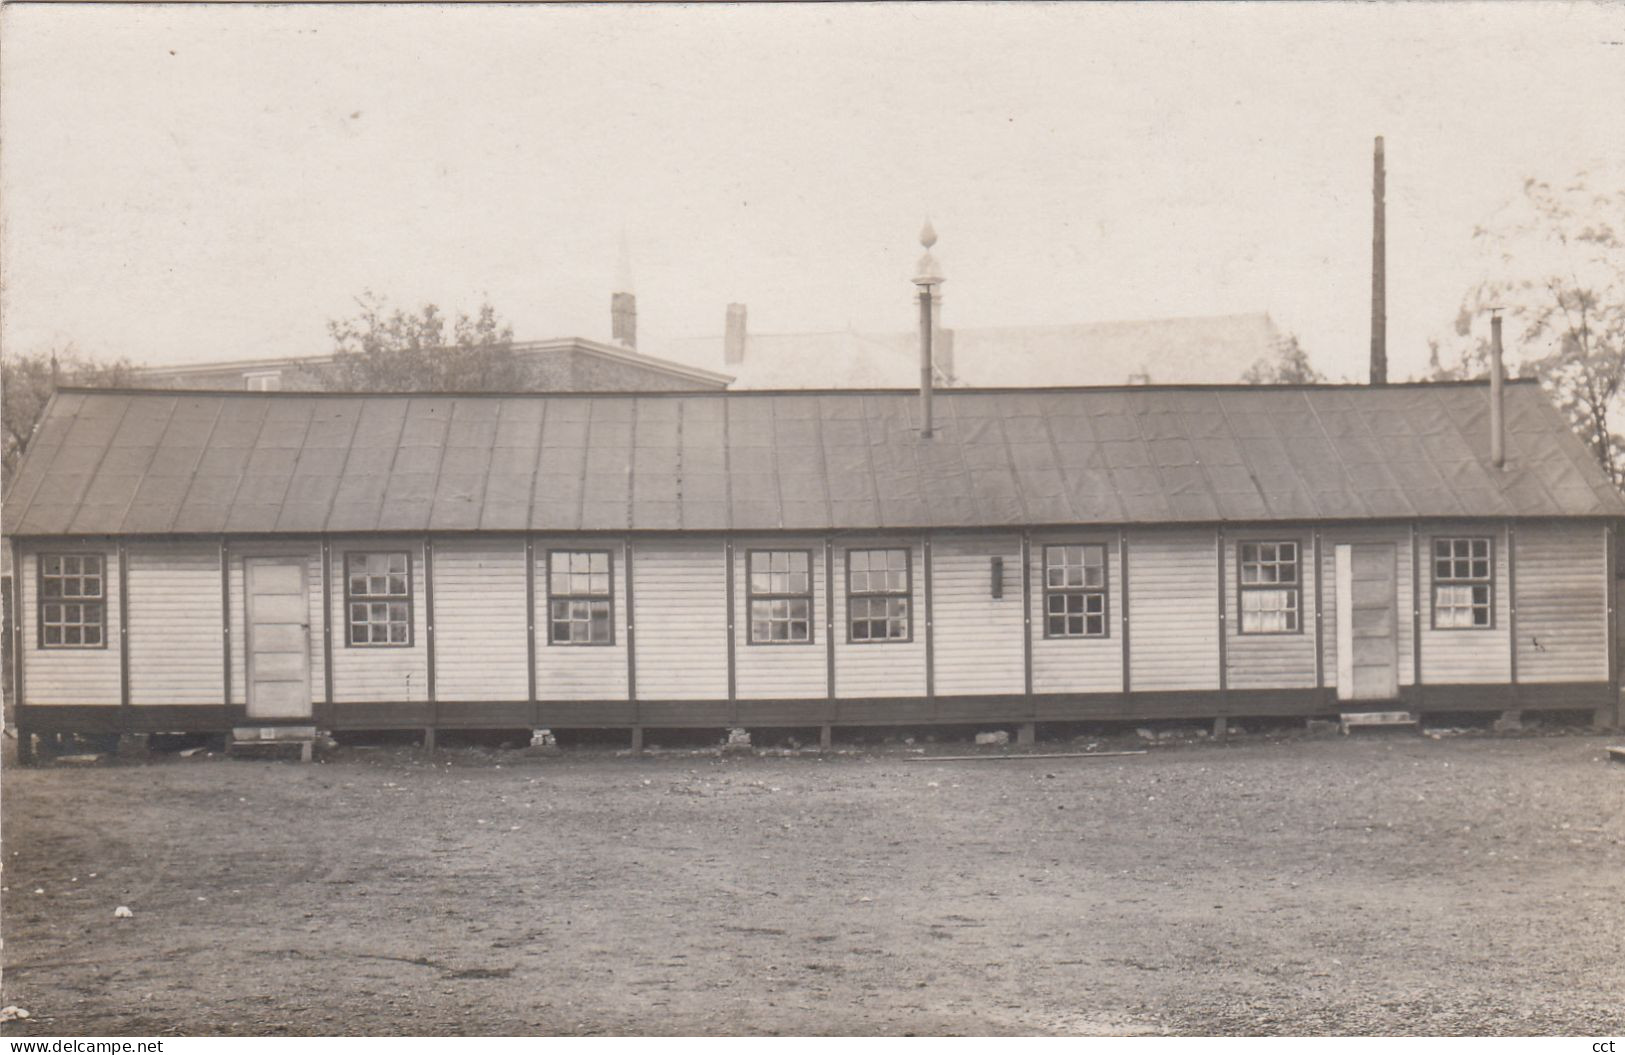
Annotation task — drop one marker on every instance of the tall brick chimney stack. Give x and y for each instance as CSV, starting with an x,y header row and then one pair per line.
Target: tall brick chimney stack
x,y
623,319
623,306
733,336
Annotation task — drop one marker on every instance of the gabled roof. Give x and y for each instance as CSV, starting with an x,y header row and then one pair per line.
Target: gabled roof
x,y
122,462
613,352
1208,349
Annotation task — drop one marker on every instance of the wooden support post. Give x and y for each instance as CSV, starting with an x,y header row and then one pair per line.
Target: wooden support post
x,y
631,633
930,637
428,606
1027,734
1027,620
225,623
826,737
1224,622
1512,610
17,700
123,634
637,739
1320,625
307,750
1122,575
1416,620
732,643
327,627
530,631
1221,728
25,742
829,624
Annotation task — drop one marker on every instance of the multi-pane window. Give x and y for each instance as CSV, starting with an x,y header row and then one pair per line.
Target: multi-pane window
x,y
72,601
1075,591
378,597
580,598
1270,588
1463,584
877,595
780,597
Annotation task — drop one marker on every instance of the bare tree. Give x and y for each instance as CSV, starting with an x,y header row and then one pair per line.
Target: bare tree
x,y
385,349
1289,365
27,382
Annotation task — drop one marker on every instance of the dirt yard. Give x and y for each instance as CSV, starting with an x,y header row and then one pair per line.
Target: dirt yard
x,y
1375,884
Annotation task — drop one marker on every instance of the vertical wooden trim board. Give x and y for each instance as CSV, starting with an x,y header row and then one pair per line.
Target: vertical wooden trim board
x,y
428,619
930,643
1512,609
1122,570
829,621
1320,623
17,683
530,626
225,622
123,625
1027,612
1610,537
1224,662
631,633
1416,616
327,623
1345,619
733,618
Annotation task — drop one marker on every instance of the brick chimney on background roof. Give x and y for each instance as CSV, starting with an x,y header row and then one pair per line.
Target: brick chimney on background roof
x,y
623,319
733,336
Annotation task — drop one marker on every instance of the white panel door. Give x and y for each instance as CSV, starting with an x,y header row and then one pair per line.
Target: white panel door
x,y
278,638
1367,622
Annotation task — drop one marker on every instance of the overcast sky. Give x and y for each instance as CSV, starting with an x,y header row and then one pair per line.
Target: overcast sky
x,y
189,183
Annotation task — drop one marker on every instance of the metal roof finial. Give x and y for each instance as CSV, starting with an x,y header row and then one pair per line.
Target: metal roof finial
x,y
928,234
928,272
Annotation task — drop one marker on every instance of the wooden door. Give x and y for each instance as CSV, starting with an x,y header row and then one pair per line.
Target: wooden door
x,y
1367,621
278,638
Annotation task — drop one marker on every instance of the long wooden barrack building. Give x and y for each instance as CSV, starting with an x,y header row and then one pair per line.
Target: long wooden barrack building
x,y
205,561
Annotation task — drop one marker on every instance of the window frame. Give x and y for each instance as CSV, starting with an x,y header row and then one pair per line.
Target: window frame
x,y
608,596
907,593
752,596
351,598
1434,582
1243,588
40,600
1105,590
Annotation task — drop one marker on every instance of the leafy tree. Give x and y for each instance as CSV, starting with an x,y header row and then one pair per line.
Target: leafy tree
x,y
1554,262
385,349
27,382
1289,365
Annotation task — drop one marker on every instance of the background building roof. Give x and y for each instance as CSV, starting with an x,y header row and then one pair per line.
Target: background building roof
x,y
121,462
1212,349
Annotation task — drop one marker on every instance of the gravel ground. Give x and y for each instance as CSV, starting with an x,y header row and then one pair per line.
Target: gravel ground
x,y
1375,884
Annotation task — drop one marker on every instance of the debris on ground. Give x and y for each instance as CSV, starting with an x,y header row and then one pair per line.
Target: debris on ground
x,y
986,739
123,912
12,1013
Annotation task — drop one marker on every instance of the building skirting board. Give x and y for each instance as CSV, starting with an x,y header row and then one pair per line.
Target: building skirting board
x,y
941,710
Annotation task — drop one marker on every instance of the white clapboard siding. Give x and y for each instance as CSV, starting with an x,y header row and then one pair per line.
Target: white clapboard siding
x,y
977,647
680,594
1466,657
373,674
1173,595
581,672
479,620
1562,585
883,669
784,671
1270,661
176,644
87,676
1077,664
1404,600
310,555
